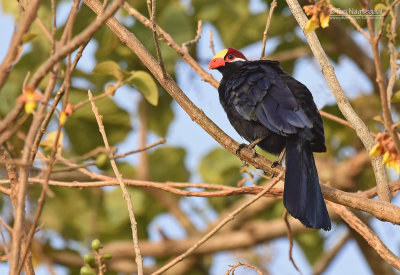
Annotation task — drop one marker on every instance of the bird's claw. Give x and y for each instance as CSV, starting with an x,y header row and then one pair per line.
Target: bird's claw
x,y
243,145
275,163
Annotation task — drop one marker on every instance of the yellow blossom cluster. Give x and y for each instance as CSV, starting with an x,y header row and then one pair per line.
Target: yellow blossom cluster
x,y
319,13
386,147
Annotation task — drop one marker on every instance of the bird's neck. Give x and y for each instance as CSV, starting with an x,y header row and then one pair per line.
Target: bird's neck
x,y
230,68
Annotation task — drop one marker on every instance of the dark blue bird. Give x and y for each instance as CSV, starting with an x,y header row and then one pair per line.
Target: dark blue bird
x,y
264,103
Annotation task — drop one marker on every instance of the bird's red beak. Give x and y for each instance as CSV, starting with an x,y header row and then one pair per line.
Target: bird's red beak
x,y
216,63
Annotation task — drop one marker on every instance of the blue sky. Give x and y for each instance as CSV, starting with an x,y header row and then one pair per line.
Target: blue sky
x,y
185,133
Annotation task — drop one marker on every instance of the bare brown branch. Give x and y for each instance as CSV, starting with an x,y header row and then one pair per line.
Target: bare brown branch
x,y
265,37
195,40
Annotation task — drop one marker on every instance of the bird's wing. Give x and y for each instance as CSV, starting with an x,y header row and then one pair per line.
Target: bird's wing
x,y
259,93
305,98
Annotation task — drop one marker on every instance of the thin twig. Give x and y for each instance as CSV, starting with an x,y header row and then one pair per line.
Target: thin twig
x,y
100,266
335,118
290,238
246,265
152,7
11,117
126,195
393,60
13,129
6,226
186,44
53,27
145,148
46,32
105,94
324,261
215,230
265,36
105,4
211,42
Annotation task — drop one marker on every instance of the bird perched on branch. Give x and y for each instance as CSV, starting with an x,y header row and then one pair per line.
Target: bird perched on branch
x,y
274,111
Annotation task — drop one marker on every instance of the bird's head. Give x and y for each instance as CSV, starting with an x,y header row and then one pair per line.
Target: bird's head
x,y
224,57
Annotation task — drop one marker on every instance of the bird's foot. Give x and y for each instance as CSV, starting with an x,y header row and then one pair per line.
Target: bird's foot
x,y
243,145
275,163
280,159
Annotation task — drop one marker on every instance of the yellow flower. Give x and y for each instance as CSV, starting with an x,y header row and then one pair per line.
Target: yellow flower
x,y
386,158
63,118
396,167
324,20
29,97
376,151
312,24
30,106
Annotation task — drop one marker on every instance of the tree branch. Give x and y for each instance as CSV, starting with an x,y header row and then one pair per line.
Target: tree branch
x,y
342,101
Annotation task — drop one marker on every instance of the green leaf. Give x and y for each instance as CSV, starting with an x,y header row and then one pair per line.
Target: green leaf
x,y
175,20
380,6
396,97
220,167
28,37
160,117
144,82
73,221
9,7
82,128
312,244
113,203
168,163
111,68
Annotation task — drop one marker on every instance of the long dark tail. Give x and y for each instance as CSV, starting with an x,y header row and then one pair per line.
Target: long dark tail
x,y
302,195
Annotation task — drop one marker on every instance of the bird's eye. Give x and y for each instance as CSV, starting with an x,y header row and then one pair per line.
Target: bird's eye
x,y
230,56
